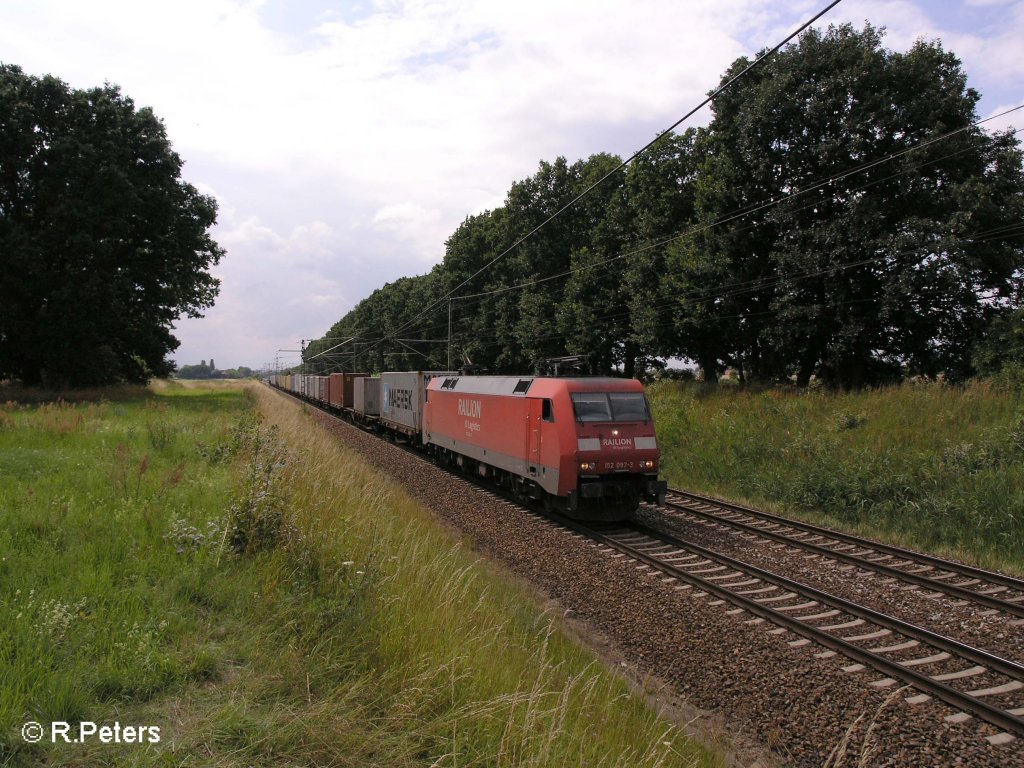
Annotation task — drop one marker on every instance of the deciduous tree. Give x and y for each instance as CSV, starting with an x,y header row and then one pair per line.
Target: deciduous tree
x,y
102,245
870,242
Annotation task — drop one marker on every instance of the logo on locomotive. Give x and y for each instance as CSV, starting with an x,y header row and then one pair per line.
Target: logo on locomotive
x,y
617,442
471,408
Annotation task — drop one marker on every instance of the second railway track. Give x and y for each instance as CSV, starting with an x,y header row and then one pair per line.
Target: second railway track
x,y
993,590
971,680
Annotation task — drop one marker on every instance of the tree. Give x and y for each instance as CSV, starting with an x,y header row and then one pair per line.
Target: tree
x,y
201,371
1002,345
102,245
895,264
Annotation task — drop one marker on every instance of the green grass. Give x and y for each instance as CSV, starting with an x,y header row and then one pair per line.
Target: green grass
x,y
211,562
925,465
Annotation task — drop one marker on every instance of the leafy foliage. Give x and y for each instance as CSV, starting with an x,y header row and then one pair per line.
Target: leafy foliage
x,y
871,262
204,371
842,217
102,245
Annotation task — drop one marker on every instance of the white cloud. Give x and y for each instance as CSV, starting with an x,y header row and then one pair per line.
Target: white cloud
x,y
985,35
275,289
403,215
345,148
999,120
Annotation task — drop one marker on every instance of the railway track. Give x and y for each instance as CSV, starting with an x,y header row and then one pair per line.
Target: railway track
x,y
994,591
971,680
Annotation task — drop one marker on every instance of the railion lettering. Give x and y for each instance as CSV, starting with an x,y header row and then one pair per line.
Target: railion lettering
x,y
471,408
617,442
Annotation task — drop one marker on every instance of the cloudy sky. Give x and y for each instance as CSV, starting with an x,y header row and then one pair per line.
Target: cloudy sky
x,y
344,141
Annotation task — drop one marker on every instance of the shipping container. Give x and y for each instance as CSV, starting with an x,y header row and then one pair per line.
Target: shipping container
x,y
342,388
402,394
366,396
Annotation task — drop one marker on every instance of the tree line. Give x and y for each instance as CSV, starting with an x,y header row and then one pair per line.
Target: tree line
x,y
843,216
210,370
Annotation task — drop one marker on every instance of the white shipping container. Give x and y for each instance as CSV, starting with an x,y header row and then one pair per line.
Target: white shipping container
x,y
366,396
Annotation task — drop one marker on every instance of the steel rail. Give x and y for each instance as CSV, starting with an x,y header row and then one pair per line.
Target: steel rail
x,y
992,577
970,653
940,586
956,699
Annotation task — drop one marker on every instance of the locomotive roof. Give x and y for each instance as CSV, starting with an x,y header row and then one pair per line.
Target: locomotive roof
x,y
523,385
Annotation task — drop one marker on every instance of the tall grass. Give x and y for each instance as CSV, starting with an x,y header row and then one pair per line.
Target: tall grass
x,y
208,561
462,665
926,465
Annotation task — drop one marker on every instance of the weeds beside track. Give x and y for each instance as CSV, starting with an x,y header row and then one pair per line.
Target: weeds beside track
x,y
928,466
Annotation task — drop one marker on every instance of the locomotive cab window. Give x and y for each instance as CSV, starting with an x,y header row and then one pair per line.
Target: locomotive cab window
x,y
548,411
591,406
629,406
610,406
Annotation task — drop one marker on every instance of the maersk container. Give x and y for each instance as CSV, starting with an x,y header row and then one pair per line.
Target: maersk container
x,y
366,396
402,394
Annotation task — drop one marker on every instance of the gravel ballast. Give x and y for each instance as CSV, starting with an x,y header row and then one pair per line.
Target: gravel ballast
x,y
742,671
968,622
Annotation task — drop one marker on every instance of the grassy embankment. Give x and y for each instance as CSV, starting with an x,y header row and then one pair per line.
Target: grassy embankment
x,y
250,588
923,465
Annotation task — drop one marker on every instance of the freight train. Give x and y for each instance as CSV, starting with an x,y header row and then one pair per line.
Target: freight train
x,y
583,446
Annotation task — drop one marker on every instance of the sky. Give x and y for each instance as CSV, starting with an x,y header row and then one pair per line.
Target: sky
x,y
345,141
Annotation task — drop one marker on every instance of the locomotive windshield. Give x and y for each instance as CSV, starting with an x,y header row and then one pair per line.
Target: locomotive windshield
x,y
610,406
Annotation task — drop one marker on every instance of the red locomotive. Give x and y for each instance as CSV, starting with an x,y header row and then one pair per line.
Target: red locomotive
x,y
585,446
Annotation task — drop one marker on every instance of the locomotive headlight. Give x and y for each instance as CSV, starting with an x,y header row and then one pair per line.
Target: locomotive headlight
x,y
649,464
588,466
615,433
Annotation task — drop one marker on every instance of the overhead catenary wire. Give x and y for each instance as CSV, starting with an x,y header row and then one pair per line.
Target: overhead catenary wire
x,y
758,207
745,287
755,208
450,295
741,288
758,61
